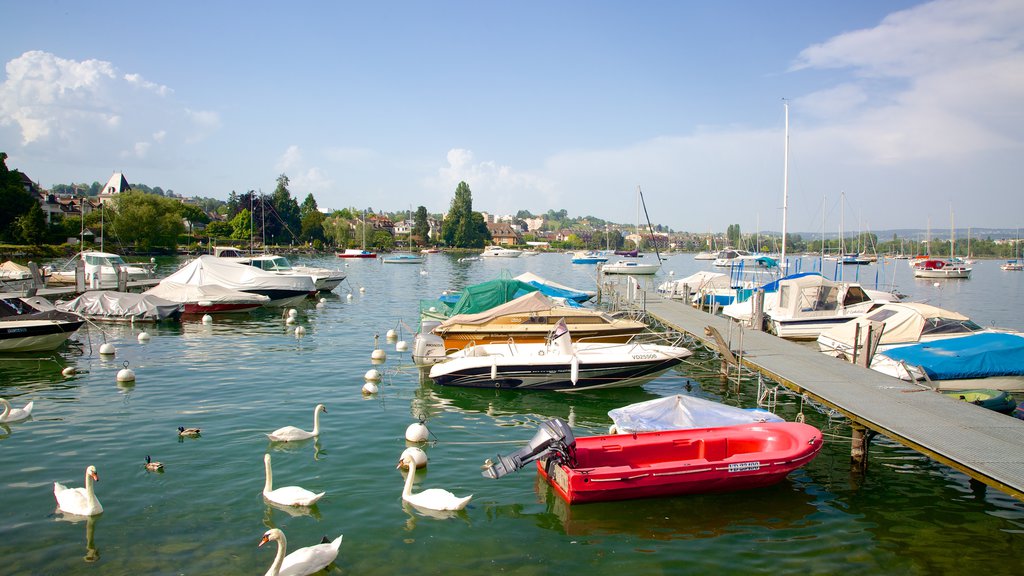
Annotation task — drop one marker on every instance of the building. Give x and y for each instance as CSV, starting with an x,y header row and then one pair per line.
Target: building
x,y
117,184
505,234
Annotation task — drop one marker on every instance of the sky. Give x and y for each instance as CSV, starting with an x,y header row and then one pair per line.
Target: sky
x,y
902,114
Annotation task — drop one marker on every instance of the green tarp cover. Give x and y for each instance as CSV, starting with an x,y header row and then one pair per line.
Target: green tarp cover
x,y
487,295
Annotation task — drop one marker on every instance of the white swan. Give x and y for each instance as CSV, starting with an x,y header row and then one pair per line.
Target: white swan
x,y
291,433
432,499
286,495
15,414
308,560
80,501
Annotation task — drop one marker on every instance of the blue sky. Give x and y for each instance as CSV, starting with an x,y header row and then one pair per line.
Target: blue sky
x,y
901,112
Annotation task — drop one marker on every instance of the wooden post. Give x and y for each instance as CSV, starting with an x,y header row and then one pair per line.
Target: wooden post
x,y
723,349
859,448
856,343
757,314
80,276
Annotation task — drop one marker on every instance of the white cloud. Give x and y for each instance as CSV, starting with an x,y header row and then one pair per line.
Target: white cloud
x,y
291,157
496,188
138,80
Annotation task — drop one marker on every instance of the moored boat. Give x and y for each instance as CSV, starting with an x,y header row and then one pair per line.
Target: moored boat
x,y
355,253
997,400
935,268
664,463
282,290
33,324
501,252
630,267
112,306
101,268
208,298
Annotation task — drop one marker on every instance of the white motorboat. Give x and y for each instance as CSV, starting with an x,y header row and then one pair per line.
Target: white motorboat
x,y
501,252
805,305
100,269
934,268
324,279
686,288
631,267
402,259
283,290
558,364
208,298
33,324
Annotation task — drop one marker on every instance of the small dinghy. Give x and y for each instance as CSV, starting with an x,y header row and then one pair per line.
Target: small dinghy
x,y
666,463
998,400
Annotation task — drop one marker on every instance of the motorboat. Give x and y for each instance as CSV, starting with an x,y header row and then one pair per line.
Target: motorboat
x,y
730,257
282,290
526,319
14,276
631,267
1013,265
590,257
934,268
208,298
501,252
664,463
112,306
101,268
33,324
324,279
558,364
985,359
806,305
355,253
686,288
996,400
681,411
403,259
634,253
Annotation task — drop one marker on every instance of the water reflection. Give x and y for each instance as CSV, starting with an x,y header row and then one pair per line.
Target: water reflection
x,y
298,446
92,553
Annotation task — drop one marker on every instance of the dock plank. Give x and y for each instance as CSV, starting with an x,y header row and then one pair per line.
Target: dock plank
x,y
983,444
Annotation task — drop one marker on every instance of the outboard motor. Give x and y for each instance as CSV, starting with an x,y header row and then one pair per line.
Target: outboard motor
x,y
427,347
554,435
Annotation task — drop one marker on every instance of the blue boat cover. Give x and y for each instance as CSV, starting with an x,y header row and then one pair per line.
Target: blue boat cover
x,y
978,356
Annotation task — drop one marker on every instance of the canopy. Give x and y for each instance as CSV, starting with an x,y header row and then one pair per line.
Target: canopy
x,y
487,295
531,302
111,305
904,322
977,356
208,269
679,412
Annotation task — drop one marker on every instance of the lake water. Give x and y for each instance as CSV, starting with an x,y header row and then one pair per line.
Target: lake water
x,y
242,377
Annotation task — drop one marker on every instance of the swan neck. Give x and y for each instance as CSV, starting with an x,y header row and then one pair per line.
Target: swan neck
x,y
407,491
282,544
7,409
316,422
269,481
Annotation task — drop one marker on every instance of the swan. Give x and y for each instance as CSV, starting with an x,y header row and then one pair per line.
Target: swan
x,y
15,414
80,501
154,466
308,560
286,495
190,432
291,433
432,499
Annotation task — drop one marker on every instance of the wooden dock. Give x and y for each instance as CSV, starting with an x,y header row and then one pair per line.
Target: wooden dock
x,y
70,290
983,444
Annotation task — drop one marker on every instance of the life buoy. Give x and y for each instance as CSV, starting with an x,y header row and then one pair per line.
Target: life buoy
x,y
938,265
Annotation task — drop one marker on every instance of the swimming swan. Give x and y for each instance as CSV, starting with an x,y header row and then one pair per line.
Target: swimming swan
x,y
308,560
291,433
80,501
431,499
15,414
286,495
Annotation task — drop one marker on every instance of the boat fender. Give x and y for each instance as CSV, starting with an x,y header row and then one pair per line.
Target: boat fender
x,y
494,368
574,370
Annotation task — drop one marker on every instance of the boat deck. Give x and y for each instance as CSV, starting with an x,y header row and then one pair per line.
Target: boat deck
x,y
983,444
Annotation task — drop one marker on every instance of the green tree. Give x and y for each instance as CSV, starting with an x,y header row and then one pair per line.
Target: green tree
x,y
282,220
30,227
421,227
312,227
732,235
338,228
308,206
461,229
147,220
13,198
241,225
219,229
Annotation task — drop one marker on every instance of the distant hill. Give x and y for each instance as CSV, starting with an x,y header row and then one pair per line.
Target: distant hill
x,y
916,234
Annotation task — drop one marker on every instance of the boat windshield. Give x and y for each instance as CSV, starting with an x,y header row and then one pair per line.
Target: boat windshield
x,y
275,264
96,260
938,326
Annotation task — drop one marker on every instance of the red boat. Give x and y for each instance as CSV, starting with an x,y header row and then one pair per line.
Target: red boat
x,y
664,463
353,253
668,463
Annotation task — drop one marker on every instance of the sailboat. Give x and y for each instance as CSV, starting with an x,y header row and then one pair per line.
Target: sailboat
x,y
410,258
632,266
943,268
362,253
1015,264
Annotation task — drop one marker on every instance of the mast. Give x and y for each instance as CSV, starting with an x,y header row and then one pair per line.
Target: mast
x,y
785,186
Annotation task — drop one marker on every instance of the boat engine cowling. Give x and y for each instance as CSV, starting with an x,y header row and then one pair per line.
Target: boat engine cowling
x,y
553,435
427,349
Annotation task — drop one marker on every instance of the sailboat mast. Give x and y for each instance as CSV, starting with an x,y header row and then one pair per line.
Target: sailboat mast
x,y
785,187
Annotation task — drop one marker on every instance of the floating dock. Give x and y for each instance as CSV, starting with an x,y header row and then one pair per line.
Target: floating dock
x,y
981,443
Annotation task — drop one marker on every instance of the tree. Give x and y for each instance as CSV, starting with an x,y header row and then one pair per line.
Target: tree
x,y
421,227
308,206
30,227
732,234
219,229
13,198
147,220
338,228
461,230
241,225
283,220
312,227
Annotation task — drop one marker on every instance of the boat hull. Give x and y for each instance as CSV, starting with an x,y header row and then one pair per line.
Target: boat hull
x,y
676,462
36,335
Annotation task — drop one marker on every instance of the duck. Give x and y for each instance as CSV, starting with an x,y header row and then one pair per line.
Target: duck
x,y
291,433
79,501
154,466
189,432
431,499
286,495
308,560
15,414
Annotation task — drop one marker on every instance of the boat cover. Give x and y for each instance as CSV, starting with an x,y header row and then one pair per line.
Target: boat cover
x,y
531,302
558,290
202,293
112,305
680,412
904,322
697,281
13,271
977,356
208,269
487,295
